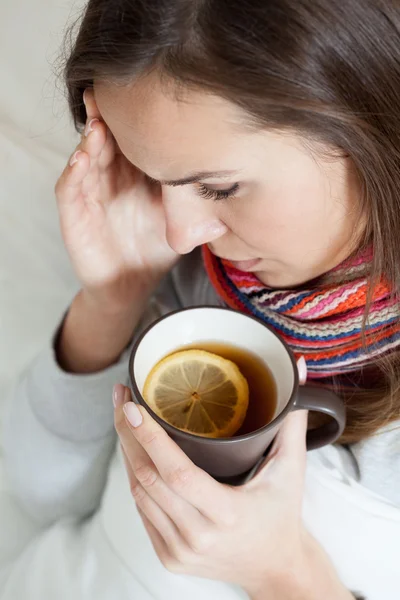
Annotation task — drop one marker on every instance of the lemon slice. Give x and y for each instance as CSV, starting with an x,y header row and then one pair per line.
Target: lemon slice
x,y
198,392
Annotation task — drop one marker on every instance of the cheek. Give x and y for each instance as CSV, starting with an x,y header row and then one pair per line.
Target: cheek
x,y
278,212
291,217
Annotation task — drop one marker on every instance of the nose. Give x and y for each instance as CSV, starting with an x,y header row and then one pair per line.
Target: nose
x,y
190,221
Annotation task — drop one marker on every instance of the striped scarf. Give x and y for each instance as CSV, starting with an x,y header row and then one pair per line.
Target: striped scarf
x,y
323,324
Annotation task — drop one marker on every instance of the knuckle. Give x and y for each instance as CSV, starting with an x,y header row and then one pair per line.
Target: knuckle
x,y
171,564
182,556
179,478
137,492
201,542
152,438
146,475
228,518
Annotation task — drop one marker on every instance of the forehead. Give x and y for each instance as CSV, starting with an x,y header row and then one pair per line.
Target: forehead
x,y
155,128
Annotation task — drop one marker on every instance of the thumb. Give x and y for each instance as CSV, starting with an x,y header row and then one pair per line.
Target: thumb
x,y
302,369
291,438
288,454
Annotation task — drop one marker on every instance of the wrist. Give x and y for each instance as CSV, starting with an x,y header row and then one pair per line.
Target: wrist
x,y
310,576
320,575
113,304
94,334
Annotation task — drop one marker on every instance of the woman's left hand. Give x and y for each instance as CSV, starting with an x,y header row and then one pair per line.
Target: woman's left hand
x,y
251,535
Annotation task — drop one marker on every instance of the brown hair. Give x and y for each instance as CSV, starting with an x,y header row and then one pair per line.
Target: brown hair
x,y
329,69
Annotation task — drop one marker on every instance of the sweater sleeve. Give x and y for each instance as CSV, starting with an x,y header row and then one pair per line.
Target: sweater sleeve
x,y
58,430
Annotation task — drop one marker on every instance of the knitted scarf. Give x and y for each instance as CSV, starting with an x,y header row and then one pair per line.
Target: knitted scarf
x,y
324,324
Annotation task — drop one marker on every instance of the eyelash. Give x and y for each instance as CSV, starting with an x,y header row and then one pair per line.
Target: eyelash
x,y
217,195
207,193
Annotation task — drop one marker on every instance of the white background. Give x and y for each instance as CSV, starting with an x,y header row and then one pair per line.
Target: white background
x,y
36,139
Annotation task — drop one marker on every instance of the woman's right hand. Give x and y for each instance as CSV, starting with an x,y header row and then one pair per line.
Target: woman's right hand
x,y
112,219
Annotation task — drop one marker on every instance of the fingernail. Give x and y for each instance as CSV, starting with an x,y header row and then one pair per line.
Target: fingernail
x,y
89,126
302,369
74,158
132,413
118,395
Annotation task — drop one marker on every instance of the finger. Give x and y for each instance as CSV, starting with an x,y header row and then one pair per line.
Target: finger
x,y
69,184
160,521
288,453
148,486
291,438
133,482
189,482
159,544
108,149
98,142
302,369
93,143
285,465
92,109
94,138
79,171
118,400
120,397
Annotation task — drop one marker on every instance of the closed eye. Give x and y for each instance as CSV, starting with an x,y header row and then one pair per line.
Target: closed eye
x,y
217,195
204,191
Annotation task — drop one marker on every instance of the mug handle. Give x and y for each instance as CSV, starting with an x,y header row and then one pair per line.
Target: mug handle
x,y
318,399
325,401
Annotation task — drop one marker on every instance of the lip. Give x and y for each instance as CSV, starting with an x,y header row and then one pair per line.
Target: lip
x,y
245,265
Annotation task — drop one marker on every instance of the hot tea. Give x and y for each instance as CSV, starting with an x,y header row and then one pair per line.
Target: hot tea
x,y
262,386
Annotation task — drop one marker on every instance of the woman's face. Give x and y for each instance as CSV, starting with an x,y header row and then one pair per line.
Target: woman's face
x,y
288,215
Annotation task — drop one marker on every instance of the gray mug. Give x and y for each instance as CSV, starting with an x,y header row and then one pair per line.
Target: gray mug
x,y
228,459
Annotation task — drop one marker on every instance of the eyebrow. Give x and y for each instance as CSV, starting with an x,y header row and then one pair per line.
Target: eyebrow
x,y
194,178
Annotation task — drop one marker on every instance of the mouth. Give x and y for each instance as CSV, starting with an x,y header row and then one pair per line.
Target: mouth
x,y
242,265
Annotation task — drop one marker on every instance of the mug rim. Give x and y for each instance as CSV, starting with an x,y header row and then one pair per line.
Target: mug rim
x,y
191,436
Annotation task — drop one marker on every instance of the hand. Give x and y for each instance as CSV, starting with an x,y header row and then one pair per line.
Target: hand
x,y
112,220
252,535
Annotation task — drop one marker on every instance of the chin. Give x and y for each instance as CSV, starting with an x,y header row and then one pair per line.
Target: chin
x,y
280,280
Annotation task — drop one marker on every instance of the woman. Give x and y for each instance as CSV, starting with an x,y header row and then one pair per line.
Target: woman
x,y
266,133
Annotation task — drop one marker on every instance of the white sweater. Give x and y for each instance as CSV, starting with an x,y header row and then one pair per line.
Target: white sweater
x,y
78,535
